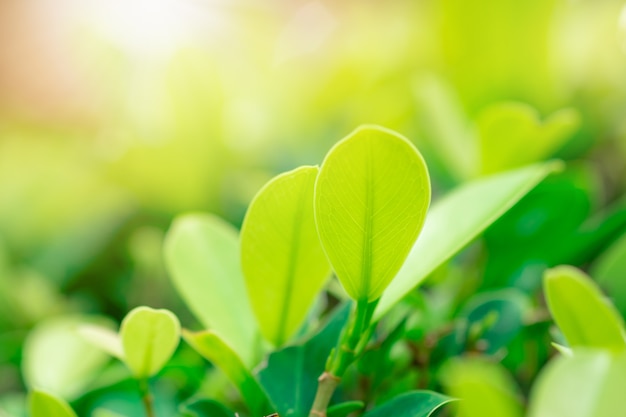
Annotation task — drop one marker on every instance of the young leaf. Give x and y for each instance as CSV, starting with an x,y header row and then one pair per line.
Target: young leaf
x,y
103,338
282,259
411,404
371,198
345,409
456,220
290,375
214,349
202,256
583,314
587,384
149,338
484,388
45,405
205,408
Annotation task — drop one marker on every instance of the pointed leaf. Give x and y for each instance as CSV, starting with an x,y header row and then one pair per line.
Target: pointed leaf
x,y
581,311
282,259
290,375
371,198
345,409
45,405
456,220
149,338
202,256
411,404
206,408
587,384
214,349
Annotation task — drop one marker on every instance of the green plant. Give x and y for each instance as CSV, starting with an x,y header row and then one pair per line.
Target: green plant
x,y
359,215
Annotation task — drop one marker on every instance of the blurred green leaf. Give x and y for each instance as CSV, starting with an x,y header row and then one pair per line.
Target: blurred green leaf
x,y
149,338
283,262
587,384
45,405
371,198
411,404
210,345
456,220
50,357
485,389
511,135
581,311
103,338
290,374
102,412
206,408
609,271
202,256
344,409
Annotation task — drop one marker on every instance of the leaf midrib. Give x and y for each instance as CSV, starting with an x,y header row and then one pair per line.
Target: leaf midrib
x,y
366,267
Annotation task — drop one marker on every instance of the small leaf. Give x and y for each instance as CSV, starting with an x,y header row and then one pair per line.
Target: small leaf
x,y
149,338
344,409
103,338
411,404
215,350
371,198
282,259
456,220
587,384
290,375
511,135
484,388
583,314
202,257
205,408
46,405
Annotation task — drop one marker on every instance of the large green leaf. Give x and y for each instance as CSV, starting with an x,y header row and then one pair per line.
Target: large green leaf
x,y
610,272
281,256
45,405
411,404
290,375
484,388
456,220
587,384
214,349
511,135
202,256
50,357
371,198
581,311
149,338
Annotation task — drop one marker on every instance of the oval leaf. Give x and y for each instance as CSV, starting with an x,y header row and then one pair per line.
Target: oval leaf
x,y
282,259
456,220
583,314
411,404
371,198
149,338
45,405
202,256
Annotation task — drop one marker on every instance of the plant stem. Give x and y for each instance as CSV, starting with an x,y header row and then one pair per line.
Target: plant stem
x,y
351,344
146,397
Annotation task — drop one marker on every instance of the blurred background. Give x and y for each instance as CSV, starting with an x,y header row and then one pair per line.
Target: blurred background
x,y
117,115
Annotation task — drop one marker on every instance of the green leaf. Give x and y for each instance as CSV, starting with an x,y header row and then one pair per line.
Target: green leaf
x,y
210,345
281,256
345,409
46,405
371,198
290,375
50,357
202,256
511,135
609,270
205,408
411,404
103,338
457,219
484,388
149,338
103,412
579,308
587,384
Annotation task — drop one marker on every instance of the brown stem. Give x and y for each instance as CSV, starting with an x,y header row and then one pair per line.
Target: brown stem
x,y
146,398
327,383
